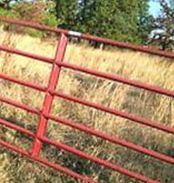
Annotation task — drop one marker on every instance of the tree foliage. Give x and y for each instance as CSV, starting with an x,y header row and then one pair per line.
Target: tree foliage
x,y
115,19
40,11
66,12
6,3
127,20
163,26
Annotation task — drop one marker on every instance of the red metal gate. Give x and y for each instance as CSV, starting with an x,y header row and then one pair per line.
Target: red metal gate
x,y
45,115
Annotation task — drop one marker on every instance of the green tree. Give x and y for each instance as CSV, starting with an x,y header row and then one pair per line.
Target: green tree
x,y
6,7
145,22
163,34
115,19
6,3
126,20
66,12
39,11
86,14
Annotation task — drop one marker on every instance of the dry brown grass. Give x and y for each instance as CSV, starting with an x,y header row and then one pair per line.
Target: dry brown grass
x,y
134,65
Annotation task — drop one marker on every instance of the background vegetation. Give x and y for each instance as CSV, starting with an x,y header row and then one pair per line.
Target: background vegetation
x,y
134,65
128,20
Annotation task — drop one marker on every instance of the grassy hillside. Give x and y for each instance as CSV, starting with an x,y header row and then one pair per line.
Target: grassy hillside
x,y
134,65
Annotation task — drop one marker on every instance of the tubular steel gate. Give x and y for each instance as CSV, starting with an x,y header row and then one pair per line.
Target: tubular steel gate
x,y
58,63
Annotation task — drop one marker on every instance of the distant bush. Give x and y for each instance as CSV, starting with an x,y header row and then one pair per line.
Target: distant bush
x,y
7,12
37,11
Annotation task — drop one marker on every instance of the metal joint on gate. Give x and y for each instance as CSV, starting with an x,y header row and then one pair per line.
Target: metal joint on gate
x,y
76,34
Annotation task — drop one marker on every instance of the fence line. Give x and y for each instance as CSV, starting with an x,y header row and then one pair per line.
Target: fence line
x,y
50,92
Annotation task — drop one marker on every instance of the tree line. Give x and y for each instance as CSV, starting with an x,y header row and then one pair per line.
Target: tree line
x,y
128,20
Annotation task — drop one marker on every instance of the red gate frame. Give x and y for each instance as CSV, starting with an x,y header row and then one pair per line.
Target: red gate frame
x,y
58,63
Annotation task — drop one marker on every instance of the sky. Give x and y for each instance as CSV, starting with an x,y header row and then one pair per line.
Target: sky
x,y
154,8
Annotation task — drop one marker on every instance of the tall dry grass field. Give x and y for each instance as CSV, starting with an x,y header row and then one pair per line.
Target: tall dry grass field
x,y
133,65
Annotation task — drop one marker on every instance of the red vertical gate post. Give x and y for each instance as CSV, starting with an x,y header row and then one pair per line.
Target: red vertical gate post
x,y
54,76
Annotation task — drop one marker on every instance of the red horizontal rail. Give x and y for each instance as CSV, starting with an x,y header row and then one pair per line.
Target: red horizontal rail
x,y
118,78
122,114
44,161
126,115
15,127
79,177
25,54
50,93
145,49
32,25
141,48
116,140
23,83
13,148
99,161
102,135
19,105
